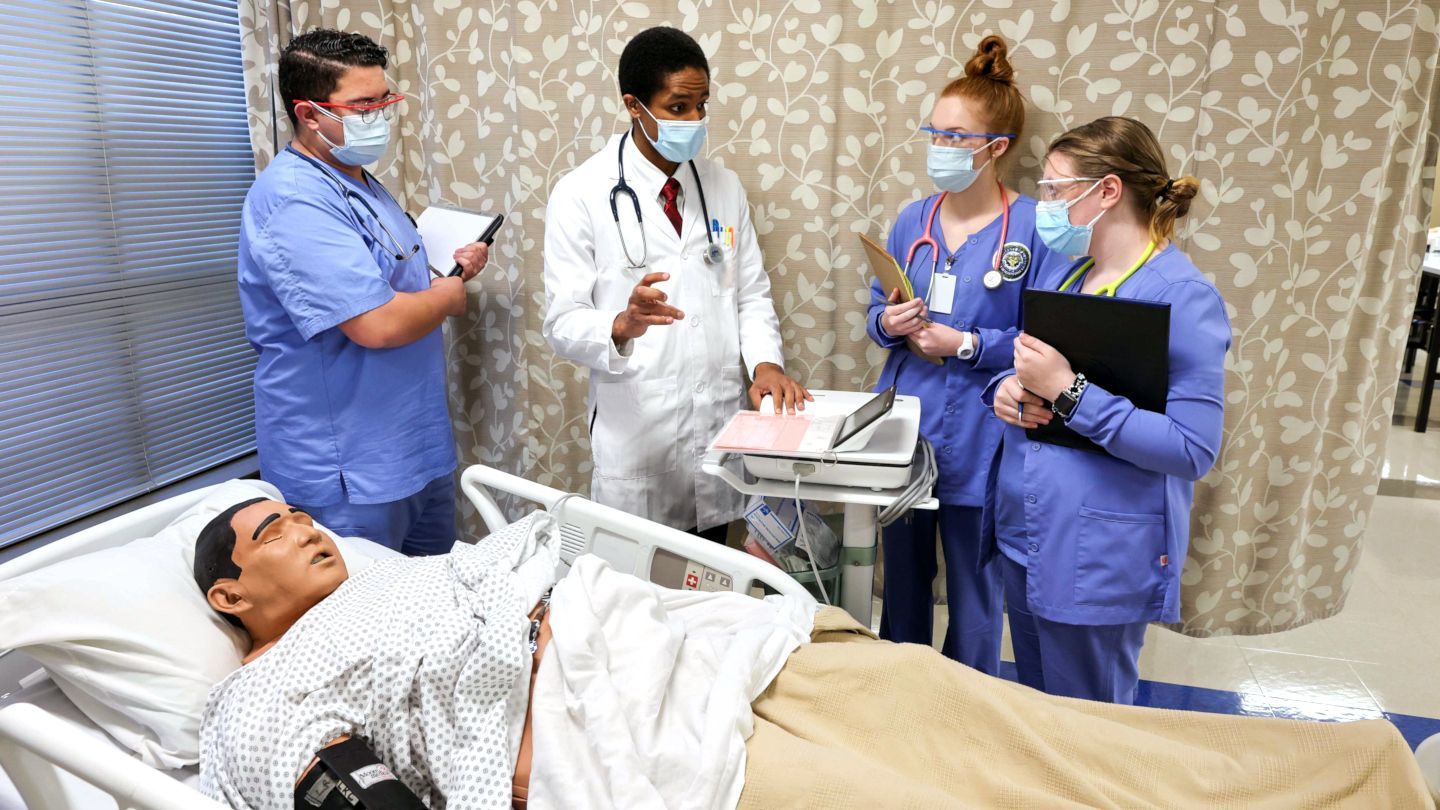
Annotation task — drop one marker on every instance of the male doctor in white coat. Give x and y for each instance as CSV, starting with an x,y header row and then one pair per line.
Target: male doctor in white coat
x,y
654,281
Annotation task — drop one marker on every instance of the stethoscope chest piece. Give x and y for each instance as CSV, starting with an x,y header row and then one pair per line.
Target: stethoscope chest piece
x,y
714,254
993,279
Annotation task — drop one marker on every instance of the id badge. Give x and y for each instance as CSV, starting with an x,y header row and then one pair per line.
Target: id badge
x,y
942,293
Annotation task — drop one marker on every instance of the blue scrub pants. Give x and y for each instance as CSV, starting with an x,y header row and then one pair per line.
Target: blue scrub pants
x,y
1094,662
420,525
972,591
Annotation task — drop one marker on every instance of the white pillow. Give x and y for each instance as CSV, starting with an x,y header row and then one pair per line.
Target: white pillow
x,y
127,636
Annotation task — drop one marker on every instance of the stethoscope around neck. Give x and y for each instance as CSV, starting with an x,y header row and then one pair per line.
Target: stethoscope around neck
x,y
713,254
993,277
395,248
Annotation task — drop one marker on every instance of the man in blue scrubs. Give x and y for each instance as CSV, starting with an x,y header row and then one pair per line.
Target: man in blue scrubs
x,y
351,417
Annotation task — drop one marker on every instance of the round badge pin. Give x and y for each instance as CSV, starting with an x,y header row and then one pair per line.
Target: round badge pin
x,y
992,279
1014,261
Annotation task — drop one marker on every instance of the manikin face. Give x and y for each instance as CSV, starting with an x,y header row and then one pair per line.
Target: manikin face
x,y
287,565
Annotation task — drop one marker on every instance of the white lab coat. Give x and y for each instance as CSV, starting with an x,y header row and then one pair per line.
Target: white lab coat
x,y
655,409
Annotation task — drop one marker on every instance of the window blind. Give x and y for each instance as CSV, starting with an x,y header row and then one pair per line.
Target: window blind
x,y
124,161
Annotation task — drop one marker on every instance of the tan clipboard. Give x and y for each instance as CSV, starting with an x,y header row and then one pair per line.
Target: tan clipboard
x,y
891,277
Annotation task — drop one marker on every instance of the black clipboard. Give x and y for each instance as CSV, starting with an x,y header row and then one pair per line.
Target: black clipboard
x,y
1119,344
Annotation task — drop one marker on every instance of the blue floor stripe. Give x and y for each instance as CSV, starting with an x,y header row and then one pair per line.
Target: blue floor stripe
x,y
1160,695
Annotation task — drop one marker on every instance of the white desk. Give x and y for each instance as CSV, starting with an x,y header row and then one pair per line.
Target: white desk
x,y
858,540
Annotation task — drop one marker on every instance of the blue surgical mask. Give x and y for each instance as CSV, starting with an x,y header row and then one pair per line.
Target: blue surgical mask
x,y
679,141
952,168
1052,222
364,144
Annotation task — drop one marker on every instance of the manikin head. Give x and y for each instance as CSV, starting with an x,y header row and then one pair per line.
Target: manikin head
x,y
262,564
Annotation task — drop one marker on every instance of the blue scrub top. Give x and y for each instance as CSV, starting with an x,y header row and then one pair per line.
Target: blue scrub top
x,y
335,421
951,415
1104,537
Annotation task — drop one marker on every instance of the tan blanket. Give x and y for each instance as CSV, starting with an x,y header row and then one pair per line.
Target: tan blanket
x,y
856,722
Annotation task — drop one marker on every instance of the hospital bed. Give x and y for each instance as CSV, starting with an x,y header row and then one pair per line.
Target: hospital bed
x,y
53,758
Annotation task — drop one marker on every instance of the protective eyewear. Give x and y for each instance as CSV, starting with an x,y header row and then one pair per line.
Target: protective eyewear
x,y
945,137
1050,190
367,112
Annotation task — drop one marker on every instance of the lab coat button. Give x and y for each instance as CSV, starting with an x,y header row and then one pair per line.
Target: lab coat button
x,y
949,409
967,279
1035,446
1033,547
699,386
947,449
694,321
1031,499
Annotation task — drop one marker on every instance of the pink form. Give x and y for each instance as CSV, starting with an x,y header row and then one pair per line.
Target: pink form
x,y
750,430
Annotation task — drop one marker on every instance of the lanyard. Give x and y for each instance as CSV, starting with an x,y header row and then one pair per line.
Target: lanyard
x,y
1109,289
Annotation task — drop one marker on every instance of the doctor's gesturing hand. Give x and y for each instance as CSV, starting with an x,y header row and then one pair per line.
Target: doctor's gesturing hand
x,y
646,308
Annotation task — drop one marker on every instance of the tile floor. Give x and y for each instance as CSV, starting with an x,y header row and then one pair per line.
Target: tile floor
x,y
1379,657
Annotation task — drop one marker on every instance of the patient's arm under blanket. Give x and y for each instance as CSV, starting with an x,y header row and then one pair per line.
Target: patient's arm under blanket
x,y
867,723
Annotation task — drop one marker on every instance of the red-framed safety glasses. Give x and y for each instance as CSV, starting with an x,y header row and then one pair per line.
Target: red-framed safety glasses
x,y
367,112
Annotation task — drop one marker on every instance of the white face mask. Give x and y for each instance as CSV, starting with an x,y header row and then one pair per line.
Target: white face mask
x,y
364,144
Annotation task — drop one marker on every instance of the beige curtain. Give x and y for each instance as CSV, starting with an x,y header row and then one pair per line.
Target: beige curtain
x,y
1309,123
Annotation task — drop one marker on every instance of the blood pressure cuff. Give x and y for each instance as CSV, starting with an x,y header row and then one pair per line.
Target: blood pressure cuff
x,y
348,776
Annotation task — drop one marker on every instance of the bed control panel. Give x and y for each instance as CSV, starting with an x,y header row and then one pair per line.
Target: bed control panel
x,y
670,570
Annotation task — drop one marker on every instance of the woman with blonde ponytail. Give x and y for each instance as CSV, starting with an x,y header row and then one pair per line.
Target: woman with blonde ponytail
x,y
1092,544
969,251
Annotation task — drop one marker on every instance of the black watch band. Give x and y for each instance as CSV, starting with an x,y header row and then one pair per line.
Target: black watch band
x,y
1064,404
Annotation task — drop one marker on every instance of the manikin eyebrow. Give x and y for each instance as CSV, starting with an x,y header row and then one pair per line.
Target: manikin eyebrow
x,y
267,521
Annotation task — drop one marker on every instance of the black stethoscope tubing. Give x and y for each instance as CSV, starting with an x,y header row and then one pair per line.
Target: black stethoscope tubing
x,y
350,194
713,252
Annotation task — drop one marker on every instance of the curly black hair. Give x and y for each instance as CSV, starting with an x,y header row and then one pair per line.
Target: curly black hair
x,y
653,55
312,64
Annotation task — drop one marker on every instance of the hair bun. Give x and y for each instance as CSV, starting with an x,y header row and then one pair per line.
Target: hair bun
x,y
991,61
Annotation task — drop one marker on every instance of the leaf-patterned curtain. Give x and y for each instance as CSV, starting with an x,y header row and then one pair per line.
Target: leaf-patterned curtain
x,y
1309,123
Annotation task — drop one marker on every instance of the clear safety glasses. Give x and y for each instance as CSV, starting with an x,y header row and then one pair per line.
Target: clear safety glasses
x,y
1054,188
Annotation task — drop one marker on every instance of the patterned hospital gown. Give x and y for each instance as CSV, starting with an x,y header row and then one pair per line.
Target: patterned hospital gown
x,y
426,658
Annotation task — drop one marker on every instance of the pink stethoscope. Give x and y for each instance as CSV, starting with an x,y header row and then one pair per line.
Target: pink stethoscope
x,y
993,278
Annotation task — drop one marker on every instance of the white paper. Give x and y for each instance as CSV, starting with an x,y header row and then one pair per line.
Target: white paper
x,y
446,230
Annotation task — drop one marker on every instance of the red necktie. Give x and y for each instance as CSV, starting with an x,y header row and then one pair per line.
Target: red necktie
x,y
670,191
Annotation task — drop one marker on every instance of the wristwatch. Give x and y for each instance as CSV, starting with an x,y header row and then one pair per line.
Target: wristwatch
x,y
967,347
1064,404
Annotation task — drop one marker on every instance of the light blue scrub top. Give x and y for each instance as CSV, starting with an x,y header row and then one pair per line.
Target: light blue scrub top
x,y
335,421
952,417
1104,536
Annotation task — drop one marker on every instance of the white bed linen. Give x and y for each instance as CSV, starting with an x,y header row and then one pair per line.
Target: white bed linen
x,y
46,695
643,697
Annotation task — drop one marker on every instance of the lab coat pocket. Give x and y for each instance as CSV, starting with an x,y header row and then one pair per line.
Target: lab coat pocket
x,y
729,271
636,428
1118,557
